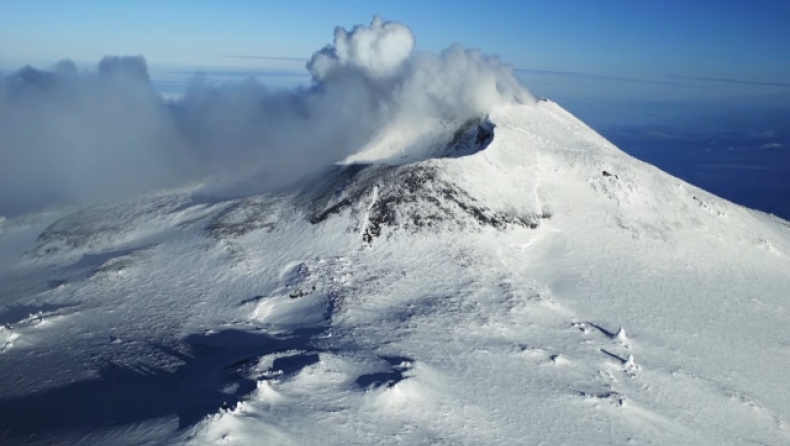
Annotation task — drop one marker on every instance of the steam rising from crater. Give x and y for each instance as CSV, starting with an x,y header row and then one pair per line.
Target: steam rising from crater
x,y
72,137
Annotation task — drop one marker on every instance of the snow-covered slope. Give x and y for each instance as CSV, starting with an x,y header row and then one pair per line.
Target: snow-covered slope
x,y
512,280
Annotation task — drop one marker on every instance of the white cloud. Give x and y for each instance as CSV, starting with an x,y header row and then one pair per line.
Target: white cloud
x,y
70,136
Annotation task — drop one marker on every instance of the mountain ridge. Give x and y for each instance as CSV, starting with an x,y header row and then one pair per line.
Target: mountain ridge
x,y
542,287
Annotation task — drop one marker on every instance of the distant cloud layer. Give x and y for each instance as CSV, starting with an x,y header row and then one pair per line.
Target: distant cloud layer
x,y
732,81
71,137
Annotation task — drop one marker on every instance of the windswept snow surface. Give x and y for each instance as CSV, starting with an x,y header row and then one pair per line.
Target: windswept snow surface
x,y
534,286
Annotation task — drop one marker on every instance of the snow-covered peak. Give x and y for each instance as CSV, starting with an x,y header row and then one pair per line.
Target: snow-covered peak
x,y
407,141
456,283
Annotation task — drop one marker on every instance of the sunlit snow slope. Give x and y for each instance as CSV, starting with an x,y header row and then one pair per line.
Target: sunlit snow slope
x,y
512,280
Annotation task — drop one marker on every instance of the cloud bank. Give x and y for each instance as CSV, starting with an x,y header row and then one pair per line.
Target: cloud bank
x,y
74,137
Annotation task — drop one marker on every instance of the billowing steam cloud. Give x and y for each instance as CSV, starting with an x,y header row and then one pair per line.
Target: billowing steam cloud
x,y
377,51
73,137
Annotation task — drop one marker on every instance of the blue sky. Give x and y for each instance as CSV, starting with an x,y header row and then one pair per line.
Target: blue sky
x,y
575,50
722,38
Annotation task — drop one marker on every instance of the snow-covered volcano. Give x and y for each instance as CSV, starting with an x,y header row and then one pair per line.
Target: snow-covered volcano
x,y
514,279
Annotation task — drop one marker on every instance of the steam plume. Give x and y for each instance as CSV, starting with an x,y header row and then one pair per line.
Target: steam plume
x,y
67,136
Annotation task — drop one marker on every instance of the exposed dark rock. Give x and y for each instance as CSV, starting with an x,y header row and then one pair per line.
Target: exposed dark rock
x,y
413,198
297,293
473,135
98,226
249,214
615,398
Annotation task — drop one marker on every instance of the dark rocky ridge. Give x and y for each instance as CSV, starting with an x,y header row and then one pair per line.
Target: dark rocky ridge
x,y
409,197
412,197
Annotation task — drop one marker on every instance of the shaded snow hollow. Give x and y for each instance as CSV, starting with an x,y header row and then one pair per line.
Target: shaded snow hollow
x,y
510,280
